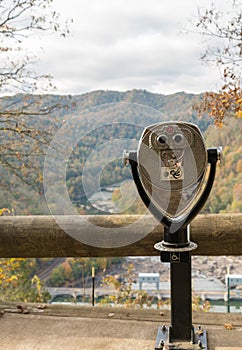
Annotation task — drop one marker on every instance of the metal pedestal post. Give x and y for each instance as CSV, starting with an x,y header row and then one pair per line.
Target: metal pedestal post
x,y
180,334
181,300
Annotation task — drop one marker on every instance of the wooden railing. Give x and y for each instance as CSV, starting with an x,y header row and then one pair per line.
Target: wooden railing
x,y
41,236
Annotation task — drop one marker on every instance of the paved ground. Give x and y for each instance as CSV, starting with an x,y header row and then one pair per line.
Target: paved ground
x,y
74,328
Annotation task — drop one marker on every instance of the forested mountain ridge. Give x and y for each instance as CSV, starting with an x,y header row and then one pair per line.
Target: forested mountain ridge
x,y
93,110
177,106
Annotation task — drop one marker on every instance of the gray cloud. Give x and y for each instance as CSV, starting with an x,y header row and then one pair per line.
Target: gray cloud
x,y
120,44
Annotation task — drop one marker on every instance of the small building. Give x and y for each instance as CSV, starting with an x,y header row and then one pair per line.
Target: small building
x,y
150,278
233,280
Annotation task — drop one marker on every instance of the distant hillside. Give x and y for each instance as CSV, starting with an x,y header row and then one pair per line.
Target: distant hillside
x,y
94,110
177,106
226,194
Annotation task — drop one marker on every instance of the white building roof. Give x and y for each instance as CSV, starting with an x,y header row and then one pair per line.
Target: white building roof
x,y
144,274
236,275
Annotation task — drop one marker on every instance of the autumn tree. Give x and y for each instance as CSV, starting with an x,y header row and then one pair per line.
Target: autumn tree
x,y
16,283
22,133
24,136
223,29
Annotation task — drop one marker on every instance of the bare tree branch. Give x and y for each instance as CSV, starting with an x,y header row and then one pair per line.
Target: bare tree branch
x,y
23,138
226,52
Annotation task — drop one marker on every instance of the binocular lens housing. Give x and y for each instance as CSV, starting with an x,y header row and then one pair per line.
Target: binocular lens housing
x,y
172,162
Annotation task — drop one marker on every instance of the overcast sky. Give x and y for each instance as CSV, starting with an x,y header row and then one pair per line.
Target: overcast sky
x,y
127,44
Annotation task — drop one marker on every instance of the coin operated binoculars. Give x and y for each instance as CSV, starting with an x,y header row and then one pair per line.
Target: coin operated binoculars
x,y
174,174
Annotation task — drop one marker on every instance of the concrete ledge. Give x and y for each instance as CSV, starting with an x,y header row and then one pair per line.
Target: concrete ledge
x,y
73,328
